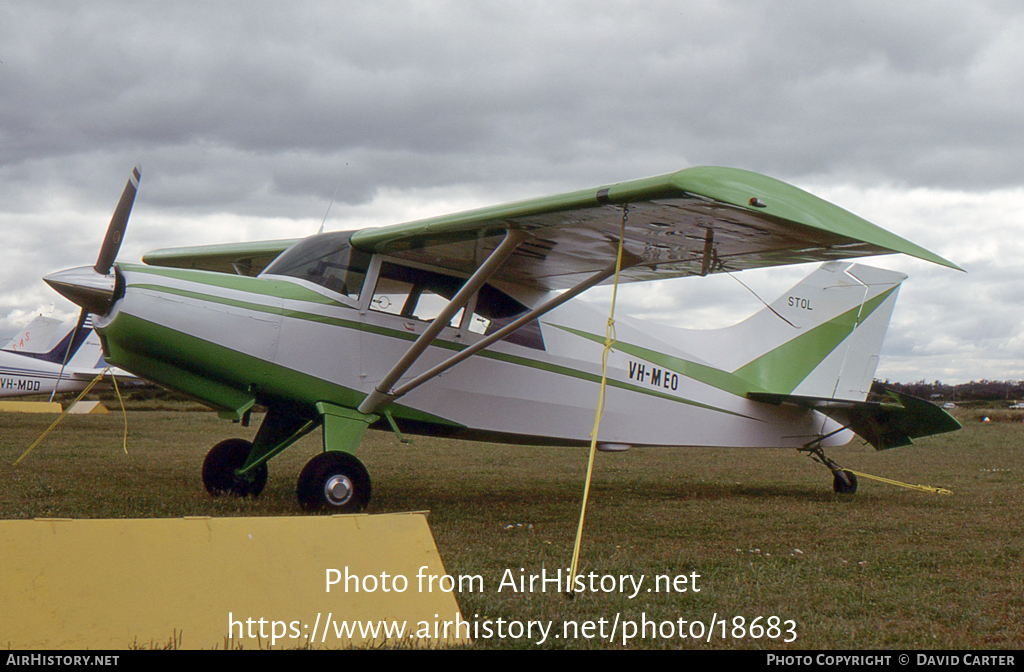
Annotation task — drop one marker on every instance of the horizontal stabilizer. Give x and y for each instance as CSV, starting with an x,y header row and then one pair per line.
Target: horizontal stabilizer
x,y
887,424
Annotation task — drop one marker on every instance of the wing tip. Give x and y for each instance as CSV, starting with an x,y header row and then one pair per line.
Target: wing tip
x,y
758,192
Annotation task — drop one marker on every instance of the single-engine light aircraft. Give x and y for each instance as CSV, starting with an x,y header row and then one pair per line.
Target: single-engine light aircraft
x,y
465,326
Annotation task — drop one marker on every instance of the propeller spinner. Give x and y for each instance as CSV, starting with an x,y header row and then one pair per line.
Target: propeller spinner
x,y
92,288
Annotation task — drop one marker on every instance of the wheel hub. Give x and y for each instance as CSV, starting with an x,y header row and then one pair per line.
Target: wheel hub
x,y
338,490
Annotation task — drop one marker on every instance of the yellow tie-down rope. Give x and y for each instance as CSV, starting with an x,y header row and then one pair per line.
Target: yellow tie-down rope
x,y
84,392
609,340
910,486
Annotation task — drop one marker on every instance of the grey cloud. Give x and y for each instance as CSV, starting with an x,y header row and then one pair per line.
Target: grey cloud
x,y
260,109
794,89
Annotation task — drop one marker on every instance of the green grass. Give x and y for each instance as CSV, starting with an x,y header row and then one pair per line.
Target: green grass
x,y
885,568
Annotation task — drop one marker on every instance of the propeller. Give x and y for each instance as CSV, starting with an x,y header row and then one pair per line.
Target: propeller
x,y
118,223
93,288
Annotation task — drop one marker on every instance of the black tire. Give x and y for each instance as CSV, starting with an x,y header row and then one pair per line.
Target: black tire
x,y
219,467
846,486
334,482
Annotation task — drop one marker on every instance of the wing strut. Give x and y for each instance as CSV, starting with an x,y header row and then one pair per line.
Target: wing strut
x,y
525,319
381,396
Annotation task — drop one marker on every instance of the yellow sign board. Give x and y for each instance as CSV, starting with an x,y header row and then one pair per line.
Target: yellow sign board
x,y
88,408
194,583
30,407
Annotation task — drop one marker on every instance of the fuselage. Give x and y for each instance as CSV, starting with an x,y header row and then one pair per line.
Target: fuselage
x,y
232,341
23,375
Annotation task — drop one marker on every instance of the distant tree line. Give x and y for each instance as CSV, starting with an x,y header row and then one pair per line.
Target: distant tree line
x,y
976,390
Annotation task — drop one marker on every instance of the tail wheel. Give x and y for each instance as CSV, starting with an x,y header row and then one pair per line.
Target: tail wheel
x,y
334,482
844,482
220,465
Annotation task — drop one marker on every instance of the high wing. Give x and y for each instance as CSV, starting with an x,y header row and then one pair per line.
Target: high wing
x,y
692,222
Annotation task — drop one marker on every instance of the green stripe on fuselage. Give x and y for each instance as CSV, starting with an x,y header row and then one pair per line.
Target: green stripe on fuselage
x,y
249,284
283,289
221,376
708,375
779,371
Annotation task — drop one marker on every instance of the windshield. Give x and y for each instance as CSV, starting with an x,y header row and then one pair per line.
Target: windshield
x,y
327,260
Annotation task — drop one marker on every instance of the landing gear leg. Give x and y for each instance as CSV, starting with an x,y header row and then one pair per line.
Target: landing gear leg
x,y
844,481
239,467
335,481
220,469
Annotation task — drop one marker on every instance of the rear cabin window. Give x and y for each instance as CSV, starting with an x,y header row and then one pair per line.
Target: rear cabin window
x,y
326,260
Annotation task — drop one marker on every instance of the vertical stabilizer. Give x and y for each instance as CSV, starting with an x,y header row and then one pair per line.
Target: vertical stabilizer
x,y
64,351
822,338
38,337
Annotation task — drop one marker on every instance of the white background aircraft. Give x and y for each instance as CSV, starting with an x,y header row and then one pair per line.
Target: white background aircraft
x,y
66,365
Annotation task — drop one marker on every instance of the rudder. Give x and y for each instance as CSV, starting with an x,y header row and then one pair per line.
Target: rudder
x,y
822,338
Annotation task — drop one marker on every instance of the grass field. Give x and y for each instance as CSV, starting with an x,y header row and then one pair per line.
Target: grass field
x,y
885,568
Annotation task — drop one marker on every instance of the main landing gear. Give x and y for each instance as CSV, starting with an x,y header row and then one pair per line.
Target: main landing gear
x,y
220,469
334,481
844,481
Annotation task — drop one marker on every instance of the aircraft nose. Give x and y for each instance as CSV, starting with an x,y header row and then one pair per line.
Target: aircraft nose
x,y
87,288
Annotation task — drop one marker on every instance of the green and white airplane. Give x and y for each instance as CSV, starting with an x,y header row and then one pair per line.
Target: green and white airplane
x,y
465,326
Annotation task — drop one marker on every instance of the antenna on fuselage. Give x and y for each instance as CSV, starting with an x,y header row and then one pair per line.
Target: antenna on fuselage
x,y
332,202
756,296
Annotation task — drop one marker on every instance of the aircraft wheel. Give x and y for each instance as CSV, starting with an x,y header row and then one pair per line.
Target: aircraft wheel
x,y
219,467
334,482
844,486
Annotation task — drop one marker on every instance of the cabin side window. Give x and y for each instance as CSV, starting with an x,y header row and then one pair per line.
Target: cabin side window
x,y
414,293
422,295
495,309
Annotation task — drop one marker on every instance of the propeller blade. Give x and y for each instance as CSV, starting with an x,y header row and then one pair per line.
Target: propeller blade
x,y
118,223
67,353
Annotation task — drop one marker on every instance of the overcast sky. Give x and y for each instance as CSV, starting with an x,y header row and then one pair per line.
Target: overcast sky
x,y
247,116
